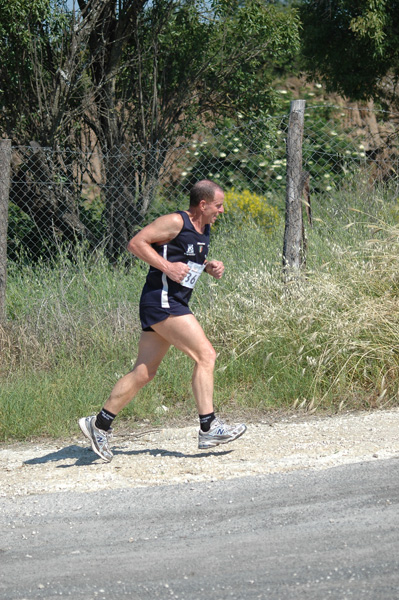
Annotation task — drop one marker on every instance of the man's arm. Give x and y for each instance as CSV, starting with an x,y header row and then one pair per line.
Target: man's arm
x,y
160,231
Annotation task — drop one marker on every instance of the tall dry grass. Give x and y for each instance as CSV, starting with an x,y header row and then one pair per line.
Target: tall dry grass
x,y
328,341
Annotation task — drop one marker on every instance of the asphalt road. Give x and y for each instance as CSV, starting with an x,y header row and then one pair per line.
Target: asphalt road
x,y
314,535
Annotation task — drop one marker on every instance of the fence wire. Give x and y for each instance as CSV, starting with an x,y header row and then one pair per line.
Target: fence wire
x,y
101,199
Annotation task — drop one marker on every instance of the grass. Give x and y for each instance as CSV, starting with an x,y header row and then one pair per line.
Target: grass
x,y
326,342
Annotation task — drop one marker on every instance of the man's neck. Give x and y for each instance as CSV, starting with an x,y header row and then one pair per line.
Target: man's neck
x,y
196,218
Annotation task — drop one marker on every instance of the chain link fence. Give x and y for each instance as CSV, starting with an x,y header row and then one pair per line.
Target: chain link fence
x,y
60,197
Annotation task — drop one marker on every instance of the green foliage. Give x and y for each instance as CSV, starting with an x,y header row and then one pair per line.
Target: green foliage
x,y
249,156
20,228
330,153
31,34
204,59
123,74
253,156
173,58
268,34
247,207
351,46
329,342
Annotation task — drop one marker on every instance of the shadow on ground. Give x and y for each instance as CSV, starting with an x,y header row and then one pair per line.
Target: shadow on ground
x,y
85,456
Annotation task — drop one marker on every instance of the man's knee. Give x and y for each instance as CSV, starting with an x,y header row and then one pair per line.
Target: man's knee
x,y
151,374
145,373
208,356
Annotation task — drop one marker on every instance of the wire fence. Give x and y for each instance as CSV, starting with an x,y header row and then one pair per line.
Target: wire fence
x,y
100,200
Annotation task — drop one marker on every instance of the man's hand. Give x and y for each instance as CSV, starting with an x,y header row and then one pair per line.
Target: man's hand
x,y
215,268
177,271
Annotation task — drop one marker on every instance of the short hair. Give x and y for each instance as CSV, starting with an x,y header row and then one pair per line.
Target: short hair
x,y
203,190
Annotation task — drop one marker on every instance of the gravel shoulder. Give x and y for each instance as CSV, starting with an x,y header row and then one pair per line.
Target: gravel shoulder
x,y
170,455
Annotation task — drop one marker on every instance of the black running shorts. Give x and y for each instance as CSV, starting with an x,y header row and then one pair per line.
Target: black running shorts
x,y
151,314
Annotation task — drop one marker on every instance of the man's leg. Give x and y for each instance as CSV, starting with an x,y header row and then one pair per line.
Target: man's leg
x,y
185,333
152,349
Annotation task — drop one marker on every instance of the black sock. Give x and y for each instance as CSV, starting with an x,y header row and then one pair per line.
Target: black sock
x,y
104,419
205,421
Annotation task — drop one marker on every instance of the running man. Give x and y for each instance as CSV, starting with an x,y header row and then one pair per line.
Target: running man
x,y
176,247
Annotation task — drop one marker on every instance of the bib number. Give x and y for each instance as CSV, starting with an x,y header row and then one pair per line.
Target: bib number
x,y
192,276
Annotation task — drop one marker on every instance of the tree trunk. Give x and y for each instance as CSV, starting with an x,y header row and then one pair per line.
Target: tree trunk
x,y
38,191
132,179
293,234
5,170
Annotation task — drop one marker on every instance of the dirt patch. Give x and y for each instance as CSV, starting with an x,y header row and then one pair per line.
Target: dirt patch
x,y
168,456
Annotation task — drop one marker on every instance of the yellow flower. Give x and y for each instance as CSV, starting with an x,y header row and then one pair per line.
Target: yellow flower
x,y
247,206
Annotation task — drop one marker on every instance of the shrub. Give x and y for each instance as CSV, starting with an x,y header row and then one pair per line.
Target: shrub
x,y
245,207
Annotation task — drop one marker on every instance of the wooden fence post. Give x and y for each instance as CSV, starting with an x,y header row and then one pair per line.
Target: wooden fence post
x,y
5,171
293,233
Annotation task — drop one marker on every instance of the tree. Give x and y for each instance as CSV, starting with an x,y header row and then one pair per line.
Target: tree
x,y
142,73
40,108
353,47
40,58
183,62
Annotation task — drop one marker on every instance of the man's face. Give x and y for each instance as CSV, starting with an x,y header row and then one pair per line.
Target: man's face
x,y
213,209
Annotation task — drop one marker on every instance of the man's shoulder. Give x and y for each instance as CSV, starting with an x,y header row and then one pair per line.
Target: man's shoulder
x,y
174,218
168,226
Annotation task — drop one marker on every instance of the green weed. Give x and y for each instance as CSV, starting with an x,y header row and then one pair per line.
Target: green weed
x,y
327,342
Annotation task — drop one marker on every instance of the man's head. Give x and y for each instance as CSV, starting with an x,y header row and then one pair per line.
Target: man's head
x,y
203,190
206,199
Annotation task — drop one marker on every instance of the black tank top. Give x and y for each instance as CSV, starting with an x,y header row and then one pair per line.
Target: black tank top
x,y
190,247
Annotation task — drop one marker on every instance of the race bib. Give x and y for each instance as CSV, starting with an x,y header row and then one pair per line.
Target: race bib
x,y
192,276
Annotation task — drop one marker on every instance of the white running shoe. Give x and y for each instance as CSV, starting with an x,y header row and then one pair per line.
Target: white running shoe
x,y
220,433
99,439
